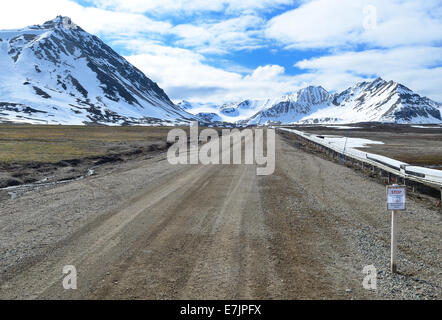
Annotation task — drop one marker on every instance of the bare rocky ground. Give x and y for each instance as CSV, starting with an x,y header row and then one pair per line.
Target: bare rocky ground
x,y
145,229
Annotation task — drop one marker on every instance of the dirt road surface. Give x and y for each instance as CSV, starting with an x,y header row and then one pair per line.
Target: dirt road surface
x,y
151,230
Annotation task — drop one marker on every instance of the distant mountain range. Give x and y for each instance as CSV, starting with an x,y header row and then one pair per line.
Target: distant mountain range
x,y
375,101
57,73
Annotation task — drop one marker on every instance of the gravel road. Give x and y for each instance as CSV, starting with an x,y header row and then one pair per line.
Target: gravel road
x,y
150,230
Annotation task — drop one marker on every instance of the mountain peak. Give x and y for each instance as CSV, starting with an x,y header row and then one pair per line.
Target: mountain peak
x,y
60,22
312,95
303,91
378,81
313,88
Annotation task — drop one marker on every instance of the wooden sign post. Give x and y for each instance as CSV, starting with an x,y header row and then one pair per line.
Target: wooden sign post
x,y
395,202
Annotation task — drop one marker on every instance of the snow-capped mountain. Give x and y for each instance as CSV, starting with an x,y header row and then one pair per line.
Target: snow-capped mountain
x,y
233,112
293,107
206,113
371,101
209,117
57,73
285,109
377,101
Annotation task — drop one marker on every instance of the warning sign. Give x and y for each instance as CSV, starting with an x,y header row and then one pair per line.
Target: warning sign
x,y
396,197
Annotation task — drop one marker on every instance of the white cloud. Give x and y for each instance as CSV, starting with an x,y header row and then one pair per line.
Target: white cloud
x,y
190,6
316,24
184,74
112,23
415,67
376,61
267,72
21,13
92,19
331,23
235,34
208,36
402,45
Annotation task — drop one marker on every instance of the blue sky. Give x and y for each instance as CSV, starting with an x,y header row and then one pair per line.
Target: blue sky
x,y
225,50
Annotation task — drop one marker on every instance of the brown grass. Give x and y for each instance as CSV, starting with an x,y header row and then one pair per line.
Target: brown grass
x,y
24,143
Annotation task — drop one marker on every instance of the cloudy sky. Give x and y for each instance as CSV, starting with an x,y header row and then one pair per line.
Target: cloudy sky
x,y
224,50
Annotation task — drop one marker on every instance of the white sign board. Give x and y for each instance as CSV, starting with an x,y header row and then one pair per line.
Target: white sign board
x,y
396,197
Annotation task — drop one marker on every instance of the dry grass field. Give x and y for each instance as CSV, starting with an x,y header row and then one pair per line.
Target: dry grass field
x,y
50,144
32,153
